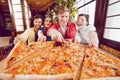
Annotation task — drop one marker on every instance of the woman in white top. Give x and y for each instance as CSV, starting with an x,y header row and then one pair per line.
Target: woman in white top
x,y
86,33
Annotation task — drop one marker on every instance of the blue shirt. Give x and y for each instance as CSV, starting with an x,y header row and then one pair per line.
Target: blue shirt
x,y
44,32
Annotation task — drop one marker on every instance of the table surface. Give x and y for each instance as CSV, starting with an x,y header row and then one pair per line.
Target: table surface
x,y
4,41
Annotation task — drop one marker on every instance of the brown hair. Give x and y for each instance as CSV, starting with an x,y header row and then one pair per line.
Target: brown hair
x,y
86,16
48,16
37,16
63,9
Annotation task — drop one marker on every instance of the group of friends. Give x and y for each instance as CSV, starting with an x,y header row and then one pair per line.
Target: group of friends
x,y
63,30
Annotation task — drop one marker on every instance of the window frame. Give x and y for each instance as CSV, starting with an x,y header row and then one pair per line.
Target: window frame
x,y
108,42
84,5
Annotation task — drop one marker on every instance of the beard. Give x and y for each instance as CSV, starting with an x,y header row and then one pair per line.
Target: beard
x,y
37,27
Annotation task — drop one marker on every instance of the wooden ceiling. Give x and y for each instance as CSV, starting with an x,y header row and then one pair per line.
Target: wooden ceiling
x,y
35,5
4,6
40,5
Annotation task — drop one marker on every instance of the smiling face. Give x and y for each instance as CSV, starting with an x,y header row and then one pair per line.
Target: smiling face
x,y
81,21
63,18
47,22
37,23
63,15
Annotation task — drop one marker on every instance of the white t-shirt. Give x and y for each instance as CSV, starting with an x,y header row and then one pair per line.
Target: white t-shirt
x,y
82,35
63,28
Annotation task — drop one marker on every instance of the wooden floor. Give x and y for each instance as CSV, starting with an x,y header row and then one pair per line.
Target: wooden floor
x,y
4,53
3,56
6,45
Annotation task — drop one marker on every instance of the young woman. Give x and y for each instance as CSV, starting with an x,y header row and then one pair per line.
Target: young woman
x,y
86,33
48,21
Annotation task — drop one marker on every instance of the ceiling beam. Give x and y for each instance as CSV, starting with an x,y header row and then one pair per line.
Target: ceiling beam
x,y
50,2
3,4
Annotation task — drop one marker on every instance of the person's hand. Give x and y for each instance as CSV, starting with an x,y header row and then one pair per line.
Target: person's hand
x,y
76,41
42,38
17,39
93,45
93,39
57,37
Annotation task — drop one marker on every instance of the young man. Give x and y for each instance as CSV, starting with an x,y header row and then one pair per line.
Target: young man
x,y
30,35
63,29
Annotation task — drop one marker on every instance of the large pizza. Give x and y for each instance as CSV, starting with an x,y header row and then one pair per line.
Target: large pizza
x,y
100,65
45,61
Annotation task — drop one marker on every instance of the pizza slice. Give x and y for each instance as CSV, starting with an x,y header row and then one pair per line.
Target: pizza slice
x,y
20,50
42,65
98,64
50,64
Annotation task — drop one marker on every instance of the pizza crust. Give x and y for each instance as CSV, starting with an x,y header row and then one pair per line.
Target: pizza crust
x,y
105,78
3,65
11,52
65,76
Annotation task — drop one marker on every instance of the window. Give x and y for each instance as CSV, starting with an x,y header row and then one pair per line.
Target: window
x,y
17,10
27,14
86,7
20,13
112,25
